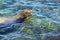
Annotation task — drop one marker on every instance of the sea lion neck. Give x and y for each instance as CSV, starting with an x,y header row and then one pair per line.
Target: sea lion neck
x,y
19,16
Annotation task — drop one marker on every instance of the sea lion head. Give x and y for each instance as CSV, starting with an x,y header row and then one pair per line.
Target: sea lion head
x,y
27,13
24,14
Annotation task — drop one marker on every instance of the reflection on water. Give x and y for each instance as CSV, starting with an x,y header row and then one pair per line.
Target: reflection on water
x,y
43,25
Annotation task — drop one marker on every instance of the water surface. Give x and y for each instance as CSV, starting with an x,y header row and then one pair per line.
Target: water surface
x,y
44,23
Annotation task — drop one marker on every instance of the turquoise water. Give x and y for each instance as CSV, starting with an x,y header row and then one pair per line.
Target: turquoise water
x,y
42,25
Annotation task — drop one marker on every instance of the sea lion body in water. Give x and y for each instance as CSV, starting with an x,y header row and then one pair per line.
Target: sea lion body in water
x,y
17,18
6,23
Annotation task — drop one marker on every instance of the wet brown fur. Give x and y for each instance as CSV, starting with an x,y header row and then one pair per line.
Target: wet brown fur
x,y
24,14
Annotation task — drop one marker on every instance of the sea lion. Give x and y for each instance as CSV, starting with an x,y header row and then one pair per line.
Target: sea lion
x,y
20,16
